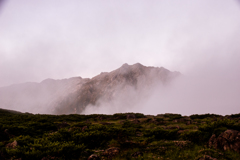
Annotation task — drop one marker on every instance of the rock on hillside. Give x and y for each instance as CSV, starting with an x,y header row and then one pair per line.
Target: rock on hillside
x,y
75,94
228,140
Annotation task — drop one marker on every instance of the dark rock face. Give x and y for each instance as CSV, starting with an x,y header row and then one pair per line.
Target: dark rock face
x,y
228,140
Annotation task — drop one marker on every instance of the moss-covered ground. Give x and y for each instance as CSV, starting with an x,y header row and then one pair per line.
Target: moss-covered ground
x,y
119,136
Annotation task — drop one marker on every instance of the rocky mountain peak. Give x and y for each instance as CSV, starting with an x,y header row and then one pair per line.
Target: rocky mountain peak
x,y
75,94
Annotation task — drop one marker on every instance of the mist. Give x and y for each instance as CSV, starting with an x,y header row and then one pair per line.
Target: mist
x,y
61,39
209,91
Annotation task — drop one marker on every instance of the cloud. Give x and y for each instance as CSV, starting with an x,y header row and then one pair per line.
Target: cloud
x,y
211,89
61,39
45,39
1,2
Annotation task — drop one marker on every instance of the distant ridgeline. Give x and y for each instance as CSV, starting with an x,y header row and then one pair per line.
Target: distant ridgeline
x,y
120,136
73,95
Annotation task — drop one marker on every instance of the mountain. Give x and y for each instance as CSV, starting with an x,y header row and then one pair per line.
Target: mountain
x,y
73,95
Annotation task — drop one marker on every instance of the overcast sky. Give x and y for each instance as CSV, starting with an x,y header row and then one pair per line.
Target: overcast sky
x,y
61,39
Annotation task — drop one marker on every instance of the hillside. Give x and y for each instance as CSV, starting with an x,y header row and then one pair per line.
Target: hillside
x,y
75,94
119,137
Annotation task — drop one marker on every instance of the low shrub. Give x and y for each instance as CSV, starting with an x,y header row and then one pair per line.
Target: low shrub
x,y
172,116
160,133
197,137
202,116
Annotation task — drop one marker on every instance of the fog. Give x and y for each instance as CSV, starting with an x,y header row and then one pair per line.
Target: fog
x,y
210,91
61,39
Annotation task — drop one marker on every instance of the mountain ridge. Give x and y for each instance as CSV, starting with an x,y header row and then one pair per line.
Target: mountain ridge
x,y
73,95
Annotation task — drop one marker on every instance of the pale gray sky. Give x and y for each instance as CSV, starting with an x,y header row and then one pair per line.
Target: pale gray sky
x,y
61,39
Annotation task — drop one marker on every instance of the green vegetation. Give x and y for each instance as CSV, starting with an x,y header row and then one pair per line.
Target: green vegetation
x,y
119,136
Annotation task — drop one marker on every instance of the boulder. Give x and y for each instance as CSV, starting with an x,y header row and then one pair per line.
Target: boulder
x,y
12,145
84,128
228,140
111,152
93,157
207,157
212,141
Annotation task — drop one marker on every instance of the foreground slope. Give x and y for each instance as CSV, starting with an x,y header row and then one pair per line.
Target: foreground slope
x,y
119,136
75,94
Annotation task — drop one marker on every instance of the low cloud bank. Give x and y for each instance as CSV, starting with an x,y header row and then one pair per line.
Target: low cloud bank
x,y
211,88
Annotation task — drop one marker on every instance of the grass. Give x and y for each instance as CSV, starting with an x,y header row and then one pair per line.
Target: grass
x,y
79,136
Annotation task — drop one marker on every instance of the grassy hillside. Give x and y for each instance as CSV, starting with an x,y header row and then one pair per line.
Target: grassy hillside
x,y
118,136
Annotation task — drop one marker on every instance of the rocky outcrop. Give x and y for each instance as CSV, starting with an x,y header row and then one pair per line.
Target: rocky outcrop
x,y
93,157
228,140
207,157
12,145
84,128
111,152
106,87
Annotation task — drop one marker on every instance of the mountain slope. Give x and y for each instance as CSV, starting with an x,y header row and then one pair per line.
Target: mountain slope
x,y
37,97
75,94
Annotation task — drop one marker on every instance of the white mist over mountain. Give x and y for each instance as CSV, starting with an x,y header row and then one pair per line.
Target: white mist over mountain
x,y
210,92
61,39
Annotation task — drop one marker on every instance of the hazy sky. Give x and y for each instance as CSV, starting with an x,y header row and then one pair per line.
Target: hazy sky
x,y
61,39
